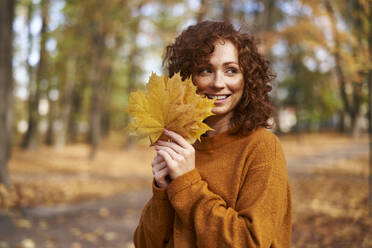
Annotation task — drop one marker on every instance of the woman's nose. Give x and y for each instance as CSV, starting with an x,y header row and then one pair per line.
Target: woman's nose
x,y
218,81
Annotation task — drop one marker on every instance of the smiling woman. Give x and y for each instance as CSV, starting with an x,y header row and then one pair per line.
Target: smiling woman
x,y
221,79
230,189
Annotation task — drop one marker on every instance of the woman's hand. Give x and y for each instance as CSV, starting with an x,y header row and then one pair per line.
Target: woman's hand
x,y
178,155
160,172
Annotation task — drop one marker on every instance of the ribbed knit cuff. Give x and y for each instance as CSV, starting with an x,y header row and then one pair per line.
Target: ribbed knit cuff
x,y
182,182
159,193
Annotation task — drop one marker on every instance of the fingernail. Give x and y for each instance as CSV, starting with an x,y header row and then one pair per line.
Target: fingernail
x,y
166,131
156,147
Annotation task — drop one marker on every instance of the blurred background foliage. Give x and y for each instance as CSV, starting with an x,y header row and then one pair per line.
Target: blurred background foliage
x,y
76,62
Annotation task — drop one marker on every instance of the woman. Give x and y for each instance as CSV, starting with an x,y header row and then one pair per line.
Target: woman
x,y
231,189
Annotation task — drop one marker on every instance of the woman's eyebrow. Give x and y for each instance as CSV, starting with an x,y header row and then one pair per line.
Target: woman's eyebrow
x,y
205,64
230,62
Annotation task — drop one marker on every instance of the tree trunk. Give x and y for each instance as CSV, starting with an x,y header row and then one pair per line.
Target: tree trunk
x,y
338,67
6,86
52,118
106,113
31,138
73,118
96,97
133,72
370,109
370,127
31,83
227,10
268,22
267,26
355,111
66,103
341,127
357,86
201,14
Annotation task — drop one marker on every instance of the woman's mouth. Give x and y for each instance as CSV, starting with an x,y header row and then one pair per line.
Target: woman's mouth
x,y
218,98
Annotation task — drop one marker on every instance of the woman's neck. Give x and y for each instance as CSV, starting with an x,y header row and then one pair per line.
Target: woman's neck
x,y
219,123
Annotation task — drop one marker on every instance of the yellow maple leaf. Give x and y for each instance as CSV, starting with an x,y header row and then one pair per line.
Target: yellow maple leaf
x,y
169,103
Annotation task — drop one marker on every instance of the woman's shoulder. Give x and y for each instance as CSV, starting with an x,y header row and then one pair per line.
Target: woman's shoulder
x,y
262,144
262,136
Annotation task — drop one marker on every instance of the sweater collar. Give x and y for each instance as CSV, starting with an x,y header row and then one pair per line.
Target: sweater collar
x,y
215,141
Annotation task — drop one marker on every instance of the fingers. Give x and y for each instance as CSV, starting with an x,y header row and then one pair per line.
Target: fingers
x,y
174,155
168,159
179,156
174,146
158,166
161,173
157,159
177,138
161,177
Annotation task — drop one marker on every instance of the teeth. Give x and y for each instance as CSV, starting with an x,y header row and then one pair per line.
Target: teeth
x,y
217,97
221,97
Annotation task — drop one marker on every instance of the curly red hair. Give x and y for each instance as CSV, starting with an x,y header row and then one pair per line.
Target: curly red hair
x,y
195,46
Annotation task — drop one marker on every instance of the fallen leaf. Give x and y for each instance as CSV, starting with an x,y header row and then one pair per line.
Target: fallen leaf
x,y
4,244
104,212
76,245
43,224
27,243
49,244
76,232
23,223
91,237
110,236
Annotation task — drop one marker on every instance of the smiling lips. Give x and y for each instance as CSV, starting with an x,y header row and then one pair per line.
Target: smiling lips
x,y
217,97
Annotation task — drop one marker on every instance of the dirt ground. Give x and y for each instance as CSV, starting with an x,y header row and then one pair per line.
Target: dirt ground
x,y
61,199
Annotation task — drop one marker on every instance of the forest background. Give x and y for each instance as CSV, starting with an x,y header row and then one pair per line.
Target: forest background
x,y
67,69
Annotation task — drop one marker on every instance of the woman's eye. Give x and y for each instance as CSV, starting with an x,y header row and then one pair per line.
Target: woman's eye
x,y
231,70
204,71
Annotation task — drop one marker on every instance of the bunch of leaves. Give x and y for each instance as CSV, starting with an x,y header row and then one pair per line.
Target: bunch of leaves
x,y
169,103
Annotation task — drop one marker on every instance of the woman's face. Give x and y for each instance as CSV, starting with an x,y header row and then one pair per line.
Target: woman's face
x,y
221,78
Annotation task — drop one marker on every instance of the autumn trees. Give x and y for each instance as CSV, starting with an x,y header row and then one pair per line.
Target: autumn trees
x,y
81,59
6,85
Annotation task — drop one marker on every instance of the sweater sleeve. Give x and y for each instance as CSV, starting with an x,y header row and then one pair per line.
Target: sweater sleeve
x,y
257,216
156,222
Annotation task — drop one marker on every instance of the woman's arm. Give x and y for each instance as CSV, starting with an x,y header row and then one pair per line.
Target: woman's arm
x,y
156,223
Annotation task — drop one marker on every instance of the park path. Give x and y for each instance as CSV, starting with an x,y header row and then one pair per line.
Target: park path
x,y
328,158
110,222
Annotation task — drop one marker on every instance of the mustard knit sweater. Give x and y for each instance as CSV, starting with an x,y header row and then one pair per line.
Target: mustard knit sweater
x,y
237,196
